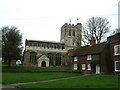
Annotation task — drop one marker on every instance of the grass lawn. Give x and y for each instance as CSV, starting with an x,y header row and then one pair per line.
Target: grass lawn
x,y
31,68
92,81
19,77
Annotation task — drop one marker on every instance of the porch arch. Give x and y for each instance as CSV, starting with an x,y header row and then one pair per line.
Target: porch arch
x,y
43,61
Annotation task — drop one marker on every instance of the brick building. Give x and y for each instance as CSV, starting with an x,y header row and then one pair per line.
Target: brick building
x,y
98,58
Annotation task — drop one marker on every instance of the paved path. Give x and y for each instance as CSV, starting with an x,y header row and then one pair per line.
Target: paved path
x,y
16,84
13,86
9,87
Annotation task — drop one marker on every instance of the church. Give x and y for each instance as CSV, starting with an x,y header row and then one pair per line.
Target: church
x,y
49,54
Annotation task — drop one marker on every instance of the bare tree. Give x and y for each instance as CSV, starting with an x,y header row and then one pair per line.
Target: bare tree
x,y
97,27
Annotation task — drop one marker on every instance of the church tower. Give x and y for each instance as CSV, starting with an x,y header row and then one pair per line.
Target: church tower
x,y
71,35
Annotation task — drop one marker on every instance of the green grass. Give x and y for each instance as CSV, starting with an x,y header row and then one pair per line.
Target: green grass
x,y
32,68
12,77
92,81
32,74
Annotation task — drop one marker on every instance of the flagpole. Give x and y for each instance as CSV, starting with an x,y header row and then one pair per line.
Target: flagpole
x,y
77,20
70,20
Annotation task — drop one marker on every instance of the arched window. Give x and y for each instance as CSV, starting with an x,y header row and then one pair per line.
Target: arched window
x,y
58,59
50,56
69,32
33,58
73,33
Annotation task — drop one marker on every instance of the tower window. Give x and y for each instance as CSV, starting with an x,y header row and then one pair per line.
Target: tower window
x,y
69,32
73,33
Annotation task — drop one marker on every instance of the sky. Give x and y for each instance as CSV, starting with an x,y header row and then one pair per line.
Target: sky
x,y
43,19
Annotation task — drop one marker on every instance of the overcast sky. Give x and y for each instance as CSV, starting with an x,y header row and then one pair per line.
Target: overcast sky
x,y
42,19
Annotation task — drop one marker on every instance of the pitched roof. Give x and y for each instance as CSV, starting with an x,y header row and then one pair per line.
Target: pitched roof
x,y
87,50
114,38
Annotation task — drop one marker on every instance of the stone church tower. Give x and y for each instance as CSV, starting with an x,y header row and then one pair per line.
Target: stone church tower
x,y
71,35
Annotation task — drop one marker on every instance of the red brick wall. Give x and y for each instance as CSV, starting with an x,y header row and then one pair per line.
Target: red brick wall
x,y
83,60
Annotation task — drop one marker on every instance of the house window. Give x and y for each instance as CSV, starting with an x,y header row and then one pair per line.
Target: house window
x,y
83,66
75,66
117,66
117,50
89,57
75,59
89,67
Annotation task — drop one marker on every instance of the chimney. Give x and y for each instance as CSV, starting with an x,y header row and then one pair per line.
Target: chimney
x,y
92,41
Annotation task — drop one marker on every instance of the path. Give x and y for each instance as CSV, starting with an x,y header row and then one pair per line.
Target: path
x,y
13,86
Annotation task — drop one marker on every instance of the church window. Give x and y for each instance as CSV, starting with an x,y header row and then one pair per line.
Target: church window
x,y
50,56
58,59
33,57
